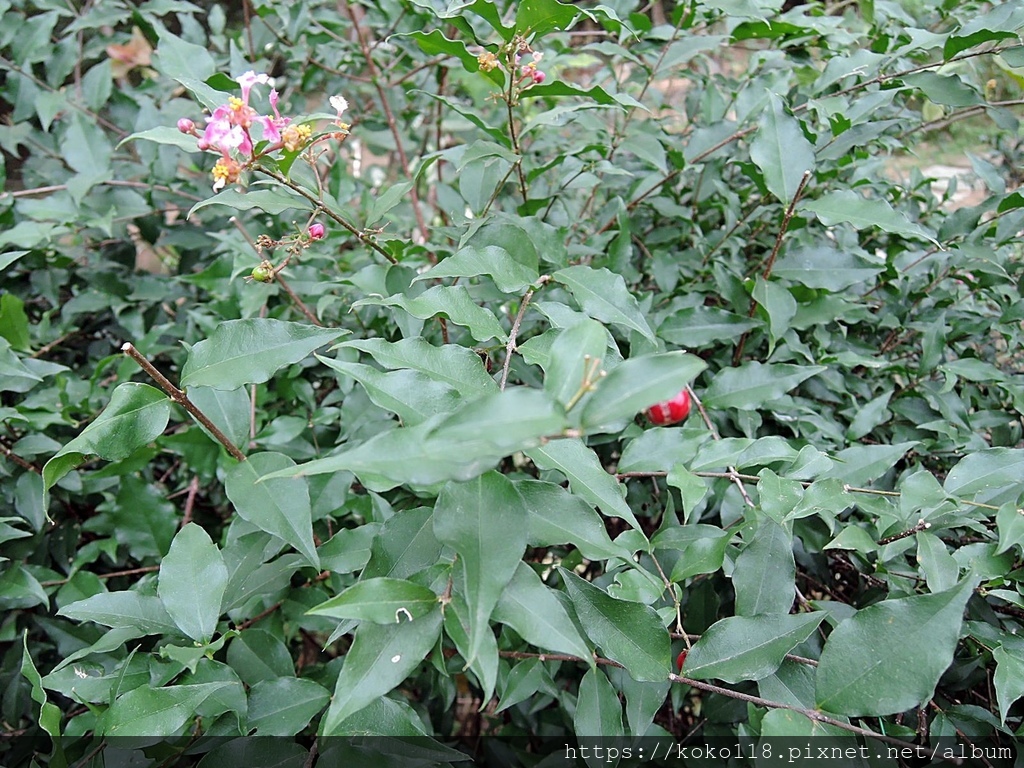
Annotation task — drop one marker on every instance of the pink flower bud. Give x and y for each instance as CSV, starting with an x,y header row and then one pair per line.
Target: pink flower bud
x,y
186,126
316,231
538,77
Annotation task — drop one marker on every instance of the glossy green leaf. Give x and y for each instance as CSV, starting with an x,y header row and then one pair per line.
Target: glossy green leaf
x,y
413,396
637,384
872,663
821,267
849,207
990,476
701,548
753,384
538,17
192,581
586,476
452,302
765,574
241,352
557,517
49,713
1008,679
131,610
748,647
627,632
136,415
380,658
598,711
157,712
380,600
574,350
603,295
700,326
860,464
456,366
509,275
533,611
278,506
285,705
781,150
484,521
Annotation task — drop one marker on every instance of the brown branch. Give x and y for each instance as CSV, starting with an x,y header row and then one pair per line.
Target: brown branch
x,y
389,115
788,217
11,456
181,399
190,501
111,575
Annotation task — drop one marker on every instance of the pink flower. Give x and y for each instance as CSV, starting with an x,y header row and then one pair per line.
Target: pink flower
x,y
316,231
186,126
538,77
248,80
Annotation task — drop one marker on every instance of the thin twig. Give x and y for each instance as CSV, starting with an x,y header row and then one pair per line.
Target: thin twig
x,y
510,347
190,501
738,354
16,459
390,117
733,474
362,236
297,301
181,399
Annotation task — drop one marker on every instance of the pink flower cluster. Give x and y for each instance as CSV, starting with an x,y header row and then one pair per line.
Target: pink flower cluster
x,y
229,130
529,70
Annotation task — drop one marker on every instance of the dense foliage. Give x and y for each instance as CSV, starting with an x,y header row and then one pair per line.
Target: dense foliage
x,y
419,269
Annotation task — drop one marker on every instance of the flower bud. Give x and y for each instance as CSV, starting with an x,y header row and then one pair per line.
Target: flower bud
x,y
316,231
186,126
538,77
264,273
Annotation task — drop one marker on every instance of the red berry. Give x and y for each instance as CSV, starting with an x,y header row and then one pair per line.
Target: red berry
x,y
680,660
671,411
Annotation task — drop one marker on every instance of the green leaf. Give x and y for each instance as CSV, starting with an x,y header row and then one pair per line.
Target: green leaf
x,y
192,581
494,261
484,521
748,647
848,207
228,409
49,713
860,464
380,658
538,17
1010,523
989,476
765,574
503,422
241,352
603,295
781,150
285,705
598,711
627,632
1008,679
998,23
164,134
533,611
273,201
587,478
595,93
380,600
278,506
780,306
754,384
828,268
158,712
872,663
413,396
450,301
144,613
387,200
573,351
176,58
700,326
948,90
701,548
136,415
459,367
434,42
557,517
637,384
